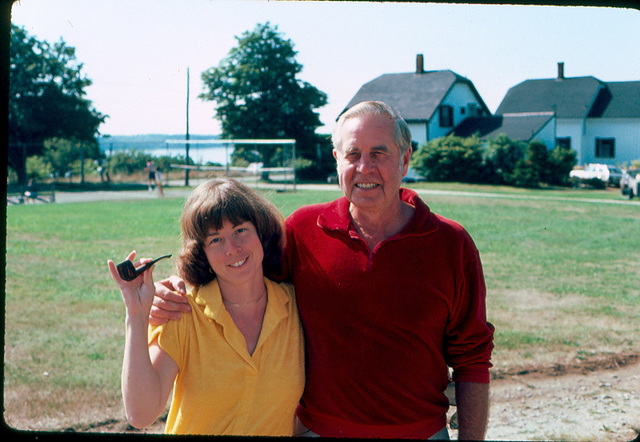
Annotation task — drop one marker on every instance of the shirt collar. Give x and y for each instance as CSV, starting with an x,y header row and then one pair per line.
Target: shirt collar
x,y
210,298
336,215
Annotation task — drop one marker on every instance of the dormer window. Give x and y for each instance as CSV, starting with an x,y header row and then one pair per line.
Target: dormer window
x,y
446,116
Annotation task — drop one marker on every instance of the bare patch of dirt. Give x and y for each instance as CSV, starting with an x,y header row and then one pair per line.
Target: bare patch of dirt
x,y
597,399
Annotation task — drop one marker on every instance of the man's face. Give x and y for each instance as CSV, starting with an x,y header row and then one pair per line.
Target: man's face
x,y
370,167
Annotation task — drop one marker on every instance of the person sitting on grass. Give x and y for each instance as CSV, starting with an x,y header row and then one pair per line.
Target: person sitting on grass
x,y
238,361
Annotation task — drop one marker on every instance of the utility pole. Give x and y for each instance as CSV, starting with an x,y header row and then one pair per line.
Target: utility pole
x,y
186,171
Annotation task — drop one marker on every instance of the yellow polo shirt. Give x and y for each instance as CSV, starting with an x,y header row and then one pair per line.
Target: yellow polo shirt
x,y
221,389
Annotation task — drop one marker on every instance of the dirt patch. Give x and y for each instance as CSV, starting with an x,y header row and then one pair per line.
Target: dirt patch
x,y
590,364
598,400
595,399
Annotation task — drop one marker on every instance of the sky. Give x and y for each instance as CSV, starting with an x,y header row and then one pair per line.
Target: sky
x,y
137,52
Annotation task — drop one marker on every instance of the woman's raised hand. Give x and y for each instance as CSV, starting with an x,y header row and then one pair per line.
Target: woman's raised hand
x,y
137,294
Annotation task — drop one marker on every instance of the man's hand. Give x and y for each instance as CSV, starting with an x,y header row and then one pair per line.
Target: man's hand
x,y
169,301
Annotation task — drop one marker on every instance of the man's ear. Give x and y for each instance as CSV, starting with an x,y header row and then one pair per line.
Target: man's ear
x,y
406,158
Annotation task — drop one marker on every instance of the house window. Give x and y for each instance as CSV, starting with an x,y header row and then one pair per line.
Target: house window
x,y
474,110
446,116
564,142
605,147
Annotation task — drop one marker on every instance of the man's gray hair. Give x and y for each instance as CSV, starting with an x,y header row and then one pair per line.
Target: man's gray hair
x,y
402,135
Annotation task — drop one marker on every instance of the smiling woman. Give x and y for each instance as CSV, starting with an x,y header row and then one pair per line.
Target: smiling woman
x,y
241,345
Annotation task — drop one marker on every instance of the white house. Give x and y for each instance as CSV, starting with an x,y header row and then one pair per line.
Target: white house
x,y
431,102
600,120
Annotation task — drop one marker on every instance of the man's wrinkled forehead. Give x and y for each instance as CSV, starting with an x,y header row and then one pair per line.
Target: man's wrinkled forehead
x,y
353,129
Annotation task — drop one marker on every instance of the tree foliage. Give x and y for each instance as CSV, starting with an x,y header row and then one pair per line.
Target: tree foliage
x,y
46,98
561,162
501,157
498,161
61,154
257,94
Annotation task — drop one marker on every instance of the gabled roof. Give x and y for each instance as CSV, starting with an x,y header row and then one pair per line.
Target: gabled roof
x,y
625,100
415,96
568,97
582,97
519,127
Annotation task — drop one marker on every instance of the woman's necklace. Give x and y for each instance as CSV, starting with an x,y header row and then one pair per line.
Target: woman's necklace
x,y
246,303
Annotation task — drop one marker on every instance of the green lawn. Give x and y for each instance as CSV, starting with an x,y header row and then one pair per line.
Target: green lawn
x,y
561,272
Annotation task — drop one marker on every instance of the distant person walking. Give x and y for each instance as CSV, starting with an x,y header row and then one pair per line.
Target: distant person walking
x,y
153,179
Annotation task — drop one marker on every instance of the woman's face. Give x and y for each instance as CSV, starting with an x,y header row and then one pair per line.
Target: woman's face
x,y
234,252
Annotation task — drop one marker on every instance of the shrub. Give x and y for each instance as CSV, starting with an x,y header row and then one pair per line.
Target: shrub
x,y
533,169
127,161
501,157
526,174
561,162
595,183
450,158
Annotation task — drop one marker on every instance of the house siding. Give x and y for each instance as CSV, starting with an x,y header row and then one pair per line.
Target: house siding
x,y
418,132
625,131
573,128
458,97
547,134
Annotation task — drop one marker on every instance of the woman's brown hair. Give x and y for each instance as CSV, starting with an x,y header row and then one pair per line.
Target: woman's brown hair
x,y
208,206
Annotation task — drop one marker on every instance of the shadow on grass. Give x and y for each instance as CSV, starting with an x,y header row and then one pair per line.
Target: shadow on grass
x,y
82,187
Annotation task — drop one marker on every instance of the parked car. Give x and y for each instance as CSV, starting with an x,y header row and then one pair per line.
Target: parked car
x,y
630,183
611,175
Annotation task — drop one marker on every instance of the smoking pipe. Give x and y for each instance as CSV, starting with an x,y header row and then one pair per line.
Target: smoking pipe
x,y
128,272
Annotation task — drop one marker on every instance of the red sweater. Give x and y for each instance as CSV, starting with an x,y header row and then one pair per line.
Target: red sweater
x,y
381,327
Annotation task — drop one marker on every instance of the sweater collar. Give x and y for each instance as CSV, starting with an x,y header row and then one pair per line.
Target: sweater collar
x,y
336,215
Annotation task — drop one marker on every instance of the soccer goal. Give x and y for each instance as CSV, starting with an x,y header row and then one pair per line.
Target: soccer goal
x,y
281,175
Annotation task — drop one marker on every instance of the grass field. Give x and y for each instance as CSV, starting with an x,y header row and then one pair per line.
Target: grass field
x,y
561,272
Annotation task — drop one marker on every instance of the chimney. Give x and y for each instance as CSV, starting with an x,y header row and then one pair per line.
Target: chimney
x,y
561,71
419,64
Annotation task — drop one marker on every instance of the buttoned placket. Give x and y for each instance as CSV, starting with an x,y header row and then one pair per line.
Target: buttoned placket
x,y
234,337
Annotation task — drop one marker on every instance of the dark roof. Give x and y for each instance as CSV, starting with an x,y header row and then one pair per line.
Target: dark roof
x,y
625,100
582,97
415,96
568,97
520,127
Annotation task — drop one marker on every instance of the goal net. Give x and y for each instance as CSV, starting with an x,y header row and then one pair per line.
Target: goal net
x,y
281,173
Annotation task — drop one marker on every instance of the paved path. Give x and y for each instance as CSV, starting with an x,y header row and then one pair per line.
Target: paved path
x,y
70,197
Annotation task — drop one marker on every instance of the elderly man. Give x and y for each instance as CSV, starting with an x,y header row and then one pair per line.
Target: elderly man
x,y
390,295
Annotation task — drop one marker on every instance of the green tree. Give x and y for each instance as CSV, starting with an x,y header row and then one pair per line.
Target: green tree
x,y
46,98
61,154
257,95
